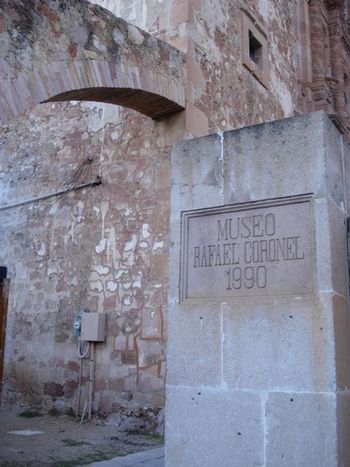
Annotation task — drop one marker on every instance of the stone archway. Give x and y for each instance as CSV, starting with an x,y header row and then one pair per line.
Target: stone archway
x,y
56,50
65,50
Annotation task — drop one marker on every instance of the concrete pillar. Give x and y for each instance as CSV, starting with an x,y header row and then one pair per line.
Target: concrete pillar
x,y
259,372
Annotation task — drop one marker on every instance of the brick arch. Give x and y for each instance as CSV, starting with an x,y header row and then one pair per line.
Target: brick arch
x,y
67,50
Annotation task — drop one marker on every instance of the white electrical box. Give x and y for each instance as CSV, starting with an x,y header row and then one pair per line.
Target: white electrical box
x,y
93,327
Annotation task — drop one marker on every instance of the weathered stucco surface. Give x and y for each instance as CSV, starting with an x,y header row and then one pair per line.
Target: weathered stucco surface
x,y
103,248
105,251
106,247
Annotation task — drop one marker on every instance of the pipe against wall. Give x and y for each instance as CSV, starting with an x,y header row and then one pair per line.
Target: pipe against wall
x,y
92,375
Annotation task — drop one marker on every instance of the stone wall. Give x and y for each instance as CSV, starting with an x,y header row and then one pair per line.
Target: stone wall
x,y
324,59
103,248
106,247
56,52
259,373
223,93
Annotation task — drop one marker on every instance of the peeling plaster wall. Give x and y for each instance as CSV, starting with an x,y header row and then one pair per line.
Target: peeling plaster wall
x,y
103,248
106,248
222,93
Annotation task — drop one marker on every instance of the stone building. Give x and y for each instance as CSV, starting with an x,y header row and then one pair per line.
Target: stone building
x,y
92,101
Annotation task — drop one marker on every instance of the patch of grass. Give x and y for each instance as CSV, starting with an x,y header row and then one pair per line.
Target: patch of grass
x,y
30,413
89,458
143,433
54,412
70,412
73,442
72,463
9,464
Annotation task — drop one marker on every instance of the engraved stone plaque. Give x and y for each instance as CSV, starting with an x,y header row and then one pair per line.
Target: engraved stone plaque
x,y
252,249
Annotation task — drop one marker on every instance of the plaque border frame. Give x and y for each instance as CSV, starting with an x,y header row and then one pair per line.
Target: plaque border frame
x,y
236,207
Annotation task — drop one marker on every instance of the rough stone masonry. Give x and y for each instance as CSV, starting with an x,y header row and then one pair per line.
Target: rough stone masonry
x,y
105,247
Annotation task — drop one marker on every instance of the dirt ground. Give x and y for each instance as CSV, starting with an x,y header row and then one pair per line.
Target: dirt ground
x,y
65,442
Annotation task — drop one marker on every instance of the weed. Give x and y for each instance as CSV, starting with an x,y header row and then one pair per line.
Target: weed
x,y
30,413
70,412
143,433
54,412
89,458
9,464
73,442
